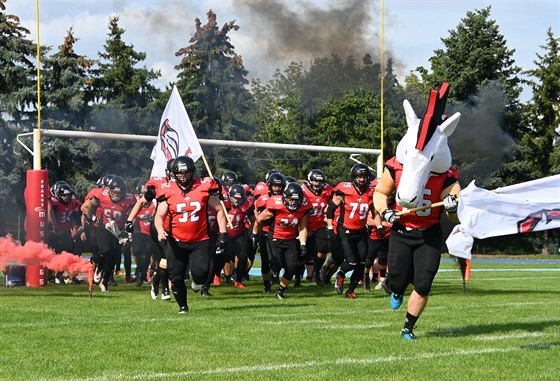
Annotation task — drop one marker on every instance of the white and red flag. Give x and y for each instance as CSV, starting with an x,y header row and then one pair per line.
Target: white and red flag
x,y
176,136
520,208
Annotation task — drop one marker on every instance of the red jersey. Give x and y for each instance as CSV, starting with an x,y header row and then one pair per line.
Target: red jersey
x,y
96,193
237,217
189,210
114,211
316,217
285,222
261,189
355,208
157,183
145,217
62,212
260,205
432,192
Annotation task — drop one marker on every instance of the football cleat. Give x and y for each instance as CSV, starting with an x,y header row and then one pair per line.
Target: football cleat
x,y
395,301
238,285
339,286
380,282
350,295
154,292
183,310
165,295
408,335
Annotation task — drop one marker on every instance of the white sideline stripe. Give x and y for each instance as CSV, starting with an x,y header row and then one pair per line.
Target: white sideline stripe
x,y
307,364
521,335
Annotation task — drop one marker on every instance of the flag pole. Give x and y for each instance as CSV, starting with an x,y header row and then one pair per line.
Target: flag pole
x,y
221,201
425,207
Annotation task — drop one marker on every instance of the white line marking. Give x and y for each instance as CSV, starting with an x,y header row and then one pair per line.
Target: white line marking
x,y
520,335
307,364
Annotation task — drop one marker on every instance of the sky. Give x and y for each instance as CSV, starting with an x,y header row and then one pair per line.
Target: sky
x,y
274,33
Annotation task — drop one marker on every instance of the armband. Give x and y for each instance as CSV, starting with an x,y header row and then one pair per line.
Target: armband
x,y
149,195
331,207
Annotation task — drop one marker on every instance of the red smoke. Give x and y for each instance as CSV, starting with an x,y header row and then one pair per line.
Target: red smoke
x,y
33,252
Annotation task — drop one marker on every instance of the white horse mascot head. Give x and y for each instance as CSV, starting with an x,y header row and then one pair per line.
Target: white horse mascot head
x,y
423,150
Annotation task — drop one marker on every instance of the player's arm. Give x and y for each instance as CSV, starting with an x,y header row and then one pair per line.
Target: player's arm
x,y
161,213
302,226
383,192
450,197
215,204
333,204
263,216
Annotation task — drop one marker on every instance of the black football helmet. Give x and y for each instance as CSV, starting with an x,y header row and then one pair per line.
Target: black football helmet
x,y
168,167
117,188
64,193
237,195
316,179
276,182
292,196
183,170
103,182
290,179
141,187
229,178
360,175
273,170
56,186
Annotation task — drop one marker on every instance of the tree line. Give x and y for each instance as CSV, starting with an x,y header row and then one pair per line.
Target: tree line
x,y
333,101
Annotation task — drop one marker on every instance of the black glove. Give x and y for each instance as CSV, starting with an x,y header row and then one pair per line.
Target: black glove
x,y
123,234
450,203
330,234
380,231
255,240
303,250
221,243
128,227
390,215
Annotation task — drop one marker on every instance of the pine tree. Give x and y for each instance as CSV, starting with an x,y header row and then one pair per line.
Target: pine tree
x,y
212,82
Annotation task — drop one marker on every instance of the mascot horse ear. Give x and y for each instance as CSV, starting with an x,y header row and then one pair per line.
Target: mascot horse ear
x,y
433,117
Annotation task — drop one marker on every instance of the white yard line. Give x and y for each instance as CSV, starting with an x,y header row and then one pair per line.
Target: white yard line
x,y
306,364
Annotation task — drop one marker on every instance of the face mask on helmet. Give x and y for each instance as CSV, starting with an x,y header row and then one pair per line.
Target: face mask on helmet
x,y
360,176
117,188
237,195
184,179
316,180
292,196
276,183
64,194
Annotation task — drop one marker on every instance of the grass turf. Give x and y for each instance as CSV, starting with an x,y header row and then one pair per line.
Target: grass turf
x,y
505,326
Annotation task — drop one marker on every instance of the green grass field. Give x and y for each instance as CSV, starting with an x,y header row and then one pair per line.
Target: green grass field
x,y
506,326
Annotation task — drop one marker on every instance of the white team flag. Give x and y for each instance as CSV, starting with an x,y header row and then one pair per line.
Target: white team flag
x,y
520,208
176,136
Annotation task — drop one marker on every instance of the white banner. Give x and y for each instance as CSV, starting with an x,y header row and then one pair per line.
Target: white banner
x,y
176,136
520,208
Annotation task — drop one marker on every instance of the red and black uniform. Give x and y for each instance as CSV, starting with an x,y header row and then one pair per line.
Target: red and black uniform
x,y
415,243
378,244
64,220
188,240
282,235
351,229
109,248
317,241
260,205
237,237
92,225
143,246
